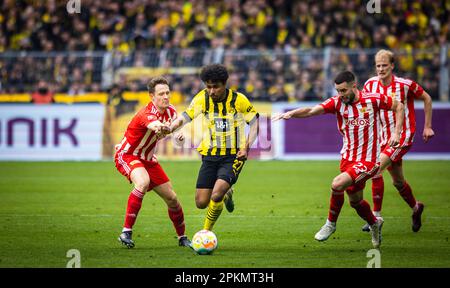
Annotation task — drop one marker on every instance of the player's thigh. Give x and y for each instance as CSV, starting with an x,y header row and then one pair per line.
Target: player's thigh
x,y
359,173
342,181
165,191
139,176
157,175
385,162
229,170
207,175
395,156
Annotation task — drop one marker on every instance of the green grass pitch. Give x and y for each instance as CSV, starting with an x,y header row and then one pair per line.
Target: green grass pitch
x,y
48,208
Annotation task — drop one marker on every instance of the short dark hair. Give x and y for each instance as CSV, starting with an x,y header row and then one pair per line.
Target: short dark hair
x,y
345,76
155,81
214,73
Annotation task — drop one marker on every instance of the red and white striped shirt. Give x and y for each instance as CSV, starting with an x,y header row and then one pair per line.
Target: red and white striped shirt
x,y
139,140
359,125
405,91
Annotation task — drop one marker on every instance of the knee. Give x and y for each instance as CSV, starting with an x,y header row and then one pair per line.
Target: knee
x,y
201,204
172,200
142,185
354,203
337,184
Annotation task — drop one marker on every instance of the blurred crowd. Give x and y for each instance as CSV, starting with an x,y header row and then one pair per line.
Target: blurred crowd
x,y
274,49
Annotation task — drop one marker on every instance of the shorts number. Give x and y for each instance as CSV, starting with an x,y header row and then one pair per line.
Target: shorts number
x,y
237,166
360,168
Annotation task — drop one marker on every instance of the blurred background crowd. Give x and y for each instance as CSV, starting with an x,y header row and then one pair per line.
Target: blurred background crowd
x,y
276,50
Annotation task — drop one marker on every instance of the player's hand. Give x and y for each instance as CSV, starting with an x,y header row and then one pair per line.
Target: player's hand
x,y
394,141
427,134
165,129
242,154
285,116
179,139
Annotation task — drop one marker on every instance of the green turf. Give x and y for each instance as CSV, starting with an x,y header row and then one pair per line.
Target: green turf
x,y
48,208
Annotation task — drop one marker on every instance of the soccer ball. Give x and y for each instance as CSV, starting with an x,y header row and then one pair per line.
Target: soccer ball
x,y
204,242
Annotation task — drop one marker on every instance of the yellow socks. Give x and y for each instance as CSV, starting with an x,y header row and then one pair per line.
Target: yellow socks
x,y
212,214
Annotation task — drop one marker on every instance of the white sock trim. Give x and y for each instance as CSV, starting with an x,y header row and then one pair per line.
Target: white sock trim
x,y
331,223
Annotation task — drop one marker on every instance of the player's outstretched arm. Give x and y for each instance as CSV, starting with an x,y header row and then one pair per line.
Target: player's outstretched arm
x,y
428,132
177,124
157,126
252,134
303,112
399,110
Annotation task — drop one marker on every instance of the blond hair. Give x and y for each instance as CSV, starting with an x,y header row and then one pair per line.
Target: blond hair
x,y
387,53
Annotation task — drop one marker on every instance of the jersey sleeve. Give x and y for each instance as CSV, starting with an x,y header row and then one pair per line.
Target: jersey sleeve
x,y
416,90
247,109
150,120
195,107
329,105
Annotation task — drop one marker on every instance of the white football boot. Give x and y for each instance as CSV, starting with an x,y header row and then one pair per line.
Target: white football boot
x,y
326,231
375,230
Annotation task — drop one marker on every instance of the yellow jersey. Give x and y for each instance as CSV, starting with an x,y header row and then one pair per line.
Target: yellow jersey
x,y
224,121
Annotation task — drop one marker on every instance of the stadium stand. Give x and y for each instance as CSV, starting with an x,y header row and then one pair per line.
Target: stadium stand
x,y
276,50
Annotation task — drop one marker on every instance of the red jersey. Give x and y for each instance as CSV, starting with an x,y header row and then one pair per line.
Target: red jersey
x,y
359,125
139,140
405,91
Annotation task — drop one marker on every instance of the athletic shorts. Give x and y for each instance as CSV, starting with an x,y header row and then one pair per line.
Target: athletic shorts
x,y
126,163
226,168
360,173
395,154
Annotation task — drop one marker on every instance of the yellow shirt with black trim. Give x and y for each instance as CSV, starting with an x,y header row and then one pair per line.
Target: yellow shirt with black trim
x,y
225,122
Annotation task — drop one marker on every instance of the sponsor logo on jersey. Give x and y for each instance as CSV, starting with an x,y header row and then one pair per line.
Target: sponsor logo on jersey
x,y
357,122
152,117
365,110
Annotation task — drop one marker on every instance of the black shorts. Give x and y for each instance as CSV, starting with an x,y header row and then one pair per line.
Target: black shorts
x,y
226,168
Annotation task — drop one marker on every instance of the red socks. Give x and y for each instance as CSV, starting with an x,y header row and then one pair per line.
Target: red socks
x,y
336,203
377,192
407,195
363,210
177,217
133,207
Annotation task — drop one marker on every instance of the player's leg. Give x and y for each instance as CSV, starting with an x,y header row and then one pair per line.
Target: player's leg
x,y
228,199
398,179
362,207
175,211
215,205
378,188
228,171
338,186
141,180
206,179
